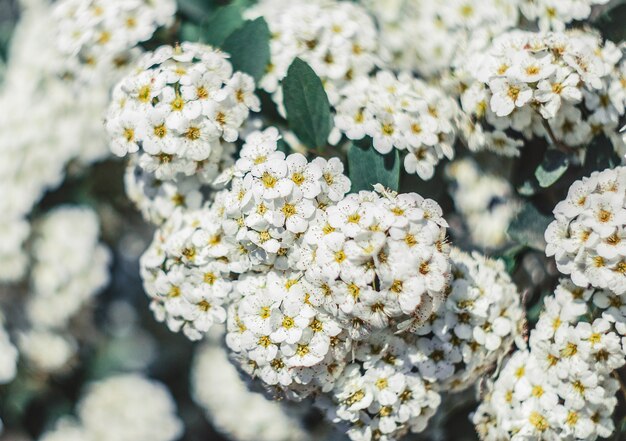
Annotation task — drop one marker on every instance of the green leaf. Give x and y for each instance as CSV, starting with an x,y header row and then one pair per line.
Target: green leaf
x,y
600,155
221,24
367,167
190,32
511,257
555,164
249,48
306,104
529,226
611,23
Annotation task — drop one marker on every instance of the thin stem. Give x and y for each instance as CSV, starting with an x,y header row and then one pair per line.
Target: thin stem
x,y
555,142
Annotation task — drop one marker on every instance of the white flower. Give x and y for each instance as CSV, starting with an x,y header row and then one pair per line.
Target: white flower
x,y
507,95
179,110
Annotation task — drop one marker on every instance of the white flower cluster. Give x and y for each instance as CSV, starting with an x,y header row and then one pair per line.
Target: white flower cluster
x,y
430,36
69,268
561,86
48,126
178,108
384,400
349,298
561,388
186,271
587,234
256,224
337,39
556,14
403,113
97,38
482,318
126,407
485,201
393,382
234,410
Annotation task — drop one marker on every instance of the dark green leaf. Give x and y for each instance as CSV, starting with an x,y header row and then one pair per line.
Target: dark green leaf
x,y
368,167
601,155
283,147
190,32
249,48
222,24
555,164
6,31
612,23
528,227
511,257
306,104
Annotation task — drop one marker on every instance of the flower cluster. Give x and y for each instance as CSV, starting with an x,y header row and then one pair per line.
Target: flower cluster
x,y
482,318
561,387
68,128
381,399
279,334
70,267
393,381
485,201
316,283
403,113
186,270
381,259
126,407
561,86
556,14
587,234
235,411
430,37
337,39
99,37
178,109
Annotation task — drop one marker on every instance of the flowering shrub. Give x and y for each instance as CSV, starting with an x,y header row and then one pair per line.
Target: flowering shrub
x,y
384,218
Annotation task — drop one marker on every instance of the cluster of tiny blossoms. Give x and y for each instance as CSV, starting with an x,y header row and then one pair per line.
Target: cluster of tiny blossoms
x,y
561,387
564,87
486,202
68,128
337,39
392,382
126,407
430,37
556,14
309,276
100,37
70,267
178,108
186,270
482,318
403,113
588,236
